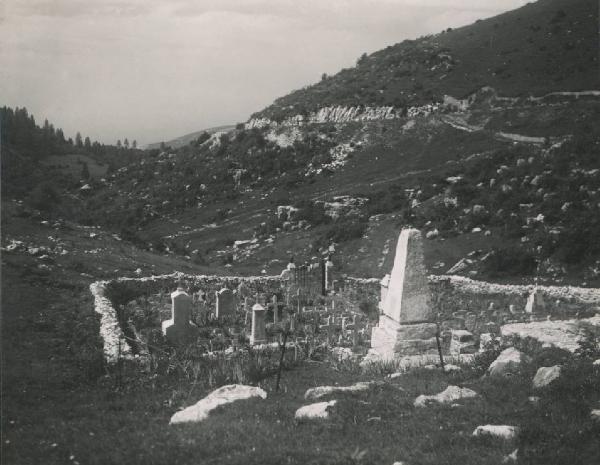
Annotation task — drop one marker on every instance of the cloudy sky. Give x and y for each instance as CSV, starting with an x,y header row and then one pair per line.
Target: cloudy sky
x,y
152,70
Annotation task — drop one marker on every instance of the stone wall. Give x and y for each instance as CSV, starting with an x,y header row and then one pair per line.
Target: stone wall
x,y
456,298
460,302
109,296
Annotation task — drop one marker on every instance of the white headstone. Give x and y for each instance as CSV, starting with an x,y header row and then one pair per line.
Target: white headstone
x,y
179,329
259,334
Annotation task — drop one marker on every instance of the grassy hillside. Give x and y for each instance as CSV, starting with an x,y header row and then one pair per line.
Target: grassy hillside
x,y
187,138
546,46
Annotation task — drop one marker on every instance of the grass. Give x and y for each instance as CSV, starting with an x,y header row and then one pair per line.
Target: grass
x,y
60,403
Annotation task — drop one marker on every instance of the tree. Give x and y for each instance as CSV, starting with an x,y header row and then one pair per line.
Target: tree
x,y
87,143
126,143
119,143
78,140
134,144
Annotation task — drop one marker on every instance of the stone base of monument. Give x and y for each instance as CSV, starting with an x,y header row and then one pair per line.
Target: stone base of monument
x,y
391,337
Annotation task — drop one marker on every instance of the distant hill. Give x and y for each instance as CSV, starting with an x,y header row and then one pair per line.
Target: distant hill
x,y
546,46
185,140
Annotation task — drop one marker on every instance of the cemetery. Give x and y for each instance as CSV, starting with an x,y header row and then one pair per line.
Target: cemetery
x,y
406,313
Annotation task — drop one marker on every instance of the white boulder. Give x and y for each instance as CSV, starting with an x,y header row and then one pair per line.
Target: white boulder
x,y
314,411
449,395
545,375
507,363
224,395
497,431
321,391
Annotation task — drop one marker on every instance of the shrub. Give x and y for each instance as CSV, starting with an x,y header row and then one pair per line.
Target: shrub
x,y
511,261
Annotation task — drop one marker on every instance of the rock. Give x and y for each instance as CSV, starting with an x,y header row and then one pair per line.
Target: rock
x,y
595,414
512,457
450,367
535,400
432,234
497,431
449,395
507,363
321,391
596,363
314,411
224,395
545,375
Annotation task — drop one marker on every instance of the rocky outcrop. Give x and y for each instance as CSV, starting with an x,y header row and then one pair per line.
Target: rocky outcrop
x,y
344,114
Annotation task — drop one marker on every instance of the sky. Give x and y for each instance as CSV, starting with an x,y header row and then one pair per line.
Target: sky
x,y
153,70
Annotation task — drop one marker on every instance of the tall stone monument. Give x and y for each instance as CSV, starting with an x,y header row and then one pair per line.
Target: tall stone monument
x,y
179,329
406,326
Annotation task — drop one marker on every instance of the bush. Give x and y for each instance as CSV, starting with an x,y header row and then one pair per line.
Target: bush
x,y
345,230
511,261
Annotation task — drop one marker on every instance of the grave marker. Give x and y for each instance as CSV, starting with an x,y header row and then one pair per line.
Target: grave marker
x,y
225,304
406,326
259,334
179,329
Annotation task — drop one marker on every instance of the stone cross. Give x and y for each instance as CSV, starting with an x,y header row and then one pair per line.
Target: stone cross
x,y
259,334
225,304
179,329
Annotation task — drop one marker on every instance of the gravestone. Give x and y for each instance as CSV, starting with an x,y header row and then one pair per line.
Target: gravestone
x,y
406,326
225,305
259,333
535,302
179,329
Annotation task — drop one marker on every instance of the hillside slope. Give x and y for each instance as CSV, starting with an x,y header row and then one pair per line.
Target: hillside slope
x,y
546,46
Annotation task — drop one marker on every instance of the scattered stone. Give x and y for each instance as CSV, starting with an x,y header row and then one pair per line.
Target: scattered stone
x,y
321,391
497,431
545,376
318,410
449,395
512,457
223,395
507,363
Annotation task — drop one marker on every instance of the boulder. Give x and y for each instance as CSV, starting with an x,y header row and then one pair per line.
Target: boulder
x,y
508,363
223,395
497,431
545,375
449,395
321,391
314,411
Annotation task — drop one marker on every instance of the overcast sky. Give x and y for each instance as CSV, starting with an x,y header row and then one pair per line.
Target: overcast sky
x,y
153,70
